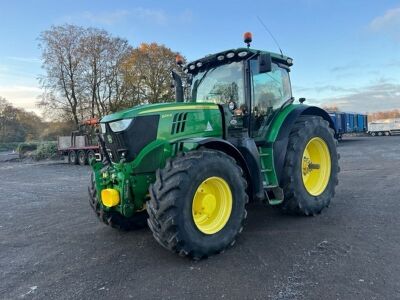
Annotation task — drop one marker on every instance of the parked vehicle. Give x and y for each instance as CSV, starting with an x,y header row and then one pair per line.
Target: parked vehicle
x,y
384,127
347,122
81,145
189,168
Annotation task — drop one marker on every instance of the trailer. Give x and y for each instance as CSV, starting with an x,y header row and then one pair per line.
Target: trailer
x,y
384,127
348,122
82,145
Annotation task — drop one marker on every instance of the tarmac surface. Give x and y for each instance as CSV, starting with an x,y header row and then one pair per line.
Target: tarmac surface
x,y
53,247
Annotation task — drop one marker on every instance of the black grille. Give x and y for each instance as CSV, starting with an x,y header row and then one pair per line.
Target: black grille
x,y
131,141
178,123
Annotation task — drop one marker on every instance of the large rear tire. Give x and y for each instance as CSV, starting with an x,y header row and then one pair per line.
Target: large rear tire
x,y
114,219
311,167
197,204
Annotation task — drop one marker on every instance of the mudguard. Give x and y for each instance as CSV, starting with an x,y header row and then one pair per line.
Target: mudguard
x,y
282,140
249,164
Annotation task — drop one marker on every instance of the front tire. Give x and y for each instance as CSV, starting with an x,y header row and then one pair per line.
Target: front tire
x,y
311,167
111,218
197,205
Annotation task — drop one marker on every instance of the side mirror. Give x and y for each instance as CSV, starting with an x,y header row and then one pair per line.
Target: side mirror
x,y
264,63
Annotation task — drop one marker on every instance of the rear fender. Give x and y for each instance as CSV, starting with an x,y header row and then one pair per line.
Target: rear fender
x,y
281,142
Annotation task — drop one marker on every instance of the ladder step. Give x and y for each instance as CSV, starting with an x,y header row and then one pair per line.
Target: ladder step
x,y
266,170
270,186
264,154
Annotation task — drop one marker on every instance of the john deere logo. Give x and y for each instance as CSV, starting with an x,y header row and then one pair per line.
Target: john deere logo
x,y
109,139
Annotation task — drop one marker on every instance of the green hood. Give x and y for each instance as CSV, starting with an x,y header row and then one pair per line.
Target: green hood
x,y
151,109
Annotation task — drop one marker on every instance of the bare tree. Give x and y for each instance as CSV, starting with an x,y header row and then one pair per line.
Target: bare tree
x,y
91,73
103,55
83,71
62,56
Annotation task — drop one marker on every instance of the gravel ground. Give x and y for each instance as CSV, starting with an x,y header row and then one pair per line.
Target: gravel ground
x,y
52,245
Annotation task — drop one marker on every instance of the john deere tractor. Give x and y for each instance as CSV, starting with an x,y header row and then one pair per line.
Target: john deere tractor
x,y
189,168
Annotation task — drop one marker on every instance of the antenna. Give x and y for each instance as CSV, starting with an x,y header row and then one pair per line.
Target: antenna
x,y
270,33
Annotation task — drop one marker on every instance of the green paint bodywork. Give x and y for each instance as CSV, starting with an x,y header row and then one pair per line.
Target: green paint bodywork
x,y
132,179
203,120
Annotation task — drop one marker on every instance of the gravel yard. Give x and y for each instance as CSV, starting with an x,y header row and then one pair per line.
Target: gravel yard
x,y
53,246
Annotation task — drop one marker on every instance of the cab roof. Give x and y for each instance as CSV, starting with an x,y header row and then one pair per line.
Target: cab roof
x,y
234,55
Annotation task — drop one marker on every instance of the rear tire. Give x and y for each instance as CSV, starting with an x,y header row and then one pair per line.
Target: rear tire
x,y
373,133
82,159
299,198
172,206
114,219
72,158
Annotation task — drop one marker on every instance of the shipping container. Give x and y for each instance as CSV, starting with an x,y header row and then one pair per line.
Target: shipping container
x,y
346,122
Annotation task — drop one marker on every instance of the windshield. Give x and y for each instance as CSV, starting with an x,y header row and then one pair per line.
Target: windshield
x,y
221,84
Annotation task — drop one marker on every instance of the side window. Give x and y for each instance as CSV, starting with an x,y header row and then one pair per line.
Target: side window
x,y
271,89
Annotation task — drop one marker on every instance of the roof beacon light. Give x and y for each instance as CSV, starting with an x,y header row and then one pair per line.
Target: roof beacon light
x,y
248,38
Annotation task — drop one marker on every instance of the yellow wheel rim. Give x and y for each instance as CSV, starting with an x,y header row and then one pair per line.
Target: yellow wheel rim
x,y
316,166
212,205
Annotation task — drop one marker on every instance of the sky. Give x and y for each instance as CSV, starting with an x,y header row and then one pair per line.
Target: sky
x,y
346,53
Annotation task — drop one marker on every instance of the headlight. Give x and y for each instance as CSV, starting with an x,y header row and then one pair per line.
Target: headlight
x,y
120,125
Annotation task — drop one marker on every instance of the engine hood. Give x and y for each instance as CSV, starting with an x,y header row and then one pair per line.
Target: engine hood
x,y
157,109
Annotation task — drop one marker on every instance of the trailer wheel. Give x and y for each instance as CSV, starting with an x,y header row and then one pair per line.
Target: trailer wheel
x,y
72,157
82,159
311,167
90,155
380,133
197,205
373,133
114,219
387,133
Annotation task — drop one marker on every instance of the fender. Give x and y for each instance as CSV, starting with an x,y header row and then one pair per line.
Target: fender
x,y
282,140
250,168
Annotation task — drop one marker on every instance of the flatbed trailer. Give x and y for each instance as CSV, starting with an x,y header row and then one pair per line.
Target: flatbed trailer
x,y
384,127
80,147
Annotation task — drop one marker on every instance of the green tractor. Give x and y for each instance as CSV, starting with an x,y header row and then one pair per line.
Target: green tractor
x,y
188,169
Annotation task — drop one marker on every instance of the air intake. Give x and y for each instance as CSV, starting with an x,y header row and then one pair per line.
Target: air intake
x,y
178,123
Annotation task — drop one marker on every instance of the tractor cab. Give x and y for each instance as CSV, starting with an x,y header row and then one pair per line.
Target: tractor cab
x,y
249,84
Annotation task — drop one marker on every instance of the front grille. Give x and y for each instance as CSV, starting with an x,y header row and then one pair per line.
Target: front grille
x,y
141,132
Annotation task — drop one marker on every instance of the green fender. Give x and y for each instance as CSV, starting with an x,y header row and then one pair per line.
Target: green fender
x,y
281,126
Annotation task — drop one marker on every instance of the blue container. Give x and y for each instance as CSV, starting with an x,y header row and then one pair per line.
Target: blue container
x,y
343,122
360,123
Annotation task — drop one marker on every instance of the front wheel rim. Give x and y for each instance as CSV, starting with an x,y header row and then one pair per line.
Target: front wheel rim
x,y
212,205
316,166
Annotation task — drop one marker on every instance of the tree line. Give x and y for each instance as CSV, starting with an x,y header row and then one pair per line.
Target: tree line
x,y
90,73
19,125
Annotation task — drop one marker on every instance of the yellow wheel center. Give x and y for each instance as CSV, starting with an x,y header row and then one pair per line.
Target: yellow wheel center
x,y
212,205
316,166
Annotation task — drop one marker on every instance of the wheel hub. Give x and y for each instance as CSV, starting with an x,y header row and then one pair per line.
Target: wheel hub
x,y
316,166
212,205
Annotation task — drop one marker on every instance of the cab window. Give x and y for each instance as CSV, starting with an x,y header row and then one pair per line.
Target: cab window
x,y
220,85
269,91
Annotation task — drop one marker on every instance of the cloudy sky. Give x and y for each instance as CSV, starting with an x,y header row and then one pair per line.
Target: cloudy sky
x,y
345,52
